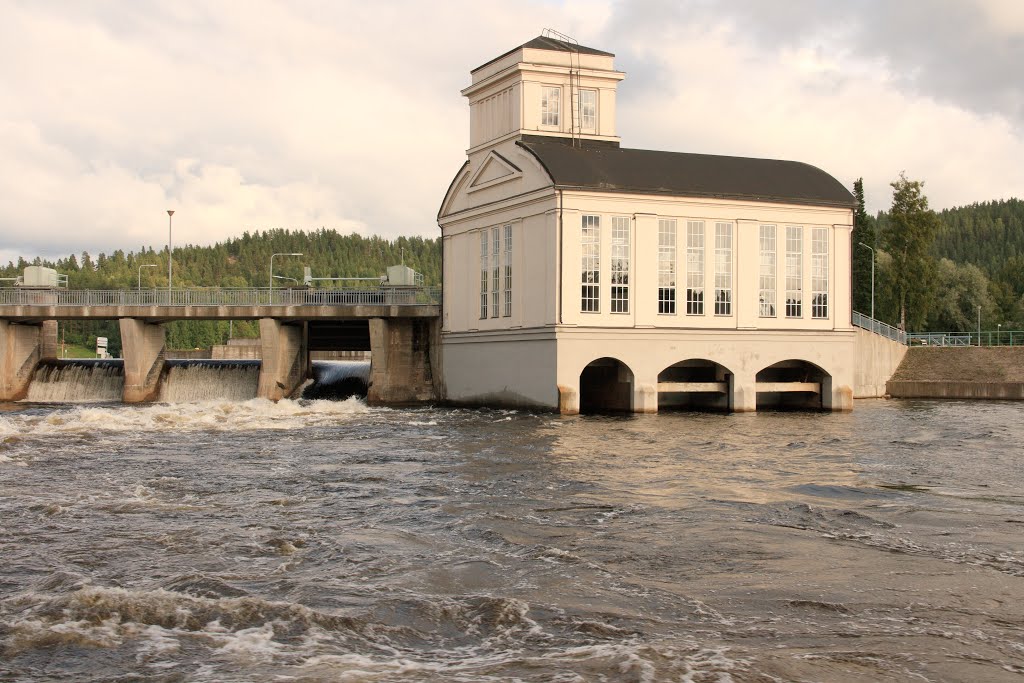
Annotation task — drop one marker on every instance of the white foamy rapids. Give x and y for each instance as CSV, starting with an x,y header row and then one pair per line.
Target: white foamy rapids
x,y
228,416
478,638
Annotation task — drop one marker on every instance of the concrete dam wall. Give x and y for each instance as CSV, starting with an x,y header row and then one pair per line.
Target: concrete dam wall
x,y
995,372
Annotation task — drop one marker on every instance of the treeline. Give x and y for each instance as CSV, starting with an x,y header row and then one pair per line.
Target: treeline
x,y
238,262
974,257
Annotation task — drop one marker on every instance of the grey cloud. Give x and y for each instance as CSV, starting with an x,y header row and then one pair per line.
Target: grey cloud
x,y
948,50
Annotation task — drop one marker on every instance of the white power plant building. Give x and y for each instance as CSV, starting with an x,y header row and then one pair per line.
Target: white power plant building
x,y
583,275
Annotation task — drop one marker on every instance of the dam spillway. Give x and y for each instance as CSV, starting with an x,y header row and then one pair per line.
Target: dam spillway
x,y
186,381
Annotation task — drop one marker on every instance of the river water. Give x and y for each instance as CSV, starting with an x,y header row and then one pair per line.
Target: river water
x,y
327,541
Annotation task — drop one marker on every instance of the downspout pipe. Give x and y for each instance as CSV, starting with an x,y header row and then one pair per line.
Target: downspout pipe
x,y
561,238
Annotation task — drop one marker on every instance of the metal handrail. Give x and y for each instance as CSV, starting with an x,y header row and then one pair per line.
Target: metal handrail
x,y
222,296
878,327
996,337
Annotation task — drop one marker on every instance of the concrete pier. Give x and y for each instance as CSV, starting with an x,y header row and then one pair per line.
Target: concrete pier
x,y
404,361
285,354
143,347
21,349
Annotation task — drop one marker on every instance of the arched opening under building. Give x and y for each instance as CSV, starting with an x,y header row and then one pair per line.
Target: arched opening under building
x,y
606,386
695,384
793,385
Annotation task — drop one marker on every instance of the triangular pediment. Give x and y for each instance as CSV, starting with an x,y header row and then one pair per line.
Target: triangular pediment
x,y
494,170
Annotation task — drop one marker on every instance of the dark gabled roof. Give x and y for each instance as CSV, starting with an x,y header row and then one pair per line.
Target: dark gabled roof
x,y
606,167
543,43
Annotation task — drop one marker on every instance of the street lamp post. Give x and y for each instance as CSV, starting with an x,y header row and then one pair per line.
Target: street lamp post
x,y
272,265
170,250
144,265
979,325
872,278
999,328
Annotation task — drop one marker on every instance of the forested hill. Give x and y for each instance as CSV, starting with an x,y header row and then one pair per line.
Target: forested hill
x,y
988,234
978,255
245,261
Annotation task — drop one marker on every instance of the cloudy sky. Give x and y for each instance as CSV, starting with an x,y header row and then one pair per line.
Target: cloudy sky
x,y
309,113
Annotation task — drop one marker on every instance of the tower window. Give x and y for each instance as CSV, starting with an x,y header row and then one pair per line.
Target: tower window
x,y
550,106
588,109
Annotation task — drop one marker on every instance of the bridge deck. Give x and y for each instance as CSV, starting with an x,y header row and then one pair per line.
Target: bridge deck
x,y
28,305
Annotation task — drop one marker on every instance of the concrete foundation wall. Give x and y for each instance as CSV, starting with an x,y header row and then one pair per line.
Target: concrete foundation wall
x,y
948,389
143,348
501,372
542,368
402,362
743,354
21,349
876,361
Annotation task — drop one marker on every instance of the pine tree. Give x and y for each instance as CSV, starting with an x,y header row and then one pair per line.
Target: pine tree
x,y
863,258
909,238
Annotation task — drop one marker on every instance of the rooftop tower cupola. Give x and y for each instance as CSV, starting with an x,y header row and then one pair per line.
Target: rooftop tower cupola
x,y
549,86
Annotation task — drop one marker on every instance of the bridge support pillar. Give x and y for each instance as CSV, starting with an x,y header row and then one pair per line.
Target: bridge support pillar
x,y
404,361
285,362
142,345
744,394
21,349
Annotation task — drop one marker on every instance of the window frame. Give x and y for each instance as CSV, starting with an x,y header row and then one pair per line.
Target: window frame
x,y
767,277
819,273
485,271
695,276
621,247
794,271
590,261
507,266
551,117
592,127
723,268
668,265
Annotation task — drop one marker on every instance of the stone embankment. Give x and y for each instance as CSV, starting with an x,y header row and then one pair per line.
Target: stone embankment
x,y
960,372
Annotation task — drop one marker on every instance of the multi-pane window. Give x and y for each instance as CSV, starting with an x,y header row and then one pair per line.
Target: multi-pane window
x,y
794,271
819,272
588,109
495,270
723,268
695,267
590,247
485,272
666,266
507,284
766,284
550,105
620,264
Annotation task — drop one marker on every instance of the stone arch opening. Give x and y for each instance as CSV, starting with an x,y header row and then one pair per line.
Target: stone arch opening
x,y
793,385
695,384
606,386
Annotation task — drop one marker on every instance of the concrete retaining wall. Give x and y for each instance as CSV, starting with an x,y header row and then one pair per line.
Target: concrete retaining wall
x,y
948,389
877,359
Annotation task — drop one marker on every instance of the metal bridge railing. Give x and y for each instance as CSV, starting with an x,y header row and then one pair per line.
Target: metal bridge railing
x,y
878,327
985,338
221,296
